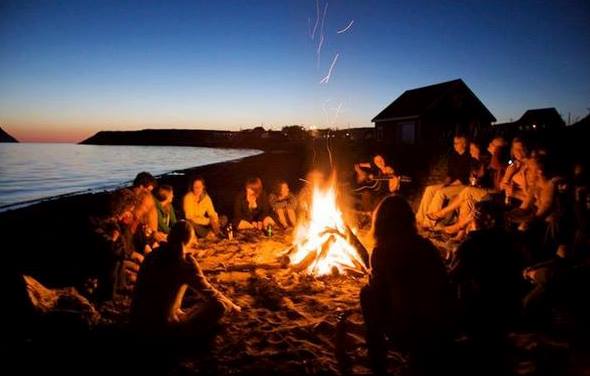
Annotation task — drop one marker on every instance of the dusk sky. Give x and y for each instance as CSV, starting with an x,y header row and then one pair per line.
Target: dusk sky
x,y
70,69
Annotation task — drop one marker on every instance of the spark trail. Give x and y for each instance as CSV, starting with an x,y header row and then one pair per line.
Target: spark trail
x,y
346,28
326,79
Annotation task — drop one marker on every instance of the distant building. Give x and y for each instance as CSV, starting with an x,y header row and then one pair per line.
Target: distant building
x,y
533,120
432,114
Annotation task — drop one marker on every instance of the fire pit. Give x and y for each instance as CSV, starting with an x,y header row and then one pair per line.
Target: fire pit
x,y
317,251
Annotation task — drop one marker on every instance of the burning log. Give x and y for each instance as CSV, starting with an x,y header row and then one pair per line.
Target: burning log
x,y
307,260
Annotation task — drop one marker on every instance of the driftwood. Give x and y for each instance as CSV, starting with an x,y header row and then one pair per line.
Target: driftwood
x,y
64,300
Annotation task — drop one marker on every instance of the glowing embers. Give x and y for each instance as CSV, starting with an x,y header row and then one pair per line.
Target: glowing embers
x,y
316,249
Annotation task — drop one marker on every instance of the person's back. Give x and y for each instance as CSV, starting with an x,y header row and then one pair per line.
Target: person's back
x,y
159,281
486,272
411,282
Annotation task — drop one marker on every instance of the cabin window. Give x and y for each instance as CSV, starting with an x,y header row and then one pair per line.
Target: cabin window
x,y
407,132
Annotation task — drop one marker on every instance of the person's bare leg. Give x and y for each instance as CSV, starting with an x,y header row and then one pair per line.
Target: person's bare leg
x,y
427,197
282,218
292,217
243,225
268,221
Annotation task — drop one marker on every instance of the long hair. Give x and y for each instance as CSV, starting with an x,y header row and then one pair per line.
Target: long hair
x,y
180,234
254,184
393,219
192,183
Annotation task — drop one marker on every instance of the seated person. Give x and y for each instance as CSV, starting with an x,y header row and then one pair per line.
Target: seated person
x,y
486,272
518,176
376,180
110,249
408,297
143,238
145,182
251,207
164,276
284,203
166,213
458,171
537,216
498,162
480,188
199,210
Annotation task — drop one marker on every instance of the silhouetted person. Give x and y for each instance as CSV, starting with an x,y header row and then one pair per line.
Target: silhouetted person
x,y
164,276
408,297
109,245
486,272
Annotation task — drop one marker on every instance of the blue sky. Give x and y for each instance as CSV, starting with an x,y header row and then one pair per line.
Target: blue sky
x,y
69,69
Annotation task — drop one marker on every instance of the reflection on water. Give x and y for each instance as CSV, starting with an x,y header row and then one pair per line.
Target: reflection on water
x,y
35,171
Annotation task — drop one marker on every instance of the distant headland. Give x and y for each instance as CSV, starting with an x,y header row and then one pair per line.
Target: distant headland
x,y
5,137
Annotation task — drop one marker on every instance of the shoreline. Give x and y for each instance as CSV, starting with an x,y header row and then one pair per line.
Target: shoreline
x,y
50,233
114,186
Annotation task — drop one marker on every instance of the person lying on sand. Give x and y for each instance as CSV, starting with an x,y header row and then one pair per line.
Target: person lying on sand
x,y
164,276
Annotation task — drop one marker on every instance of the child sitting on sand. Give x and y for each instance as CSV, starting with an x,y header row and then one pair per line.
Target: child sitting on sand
x,y
284,204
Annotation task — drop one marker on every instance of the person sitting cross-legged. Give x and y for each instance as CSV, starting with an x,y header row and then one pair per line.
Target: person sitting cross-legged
x,y
199,210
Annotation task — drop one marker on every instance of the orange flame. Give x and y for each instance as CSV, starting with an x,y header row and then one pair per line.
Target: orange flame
x,y
331,251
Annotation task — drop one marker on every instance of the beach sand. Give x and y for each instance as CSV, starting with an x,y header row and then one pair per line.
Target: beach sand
x,y
289,321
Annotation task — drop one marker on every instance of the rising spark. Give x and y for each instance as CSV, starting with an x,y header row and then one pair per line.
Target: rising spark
x,y
321,43
327,78
317,19
346,28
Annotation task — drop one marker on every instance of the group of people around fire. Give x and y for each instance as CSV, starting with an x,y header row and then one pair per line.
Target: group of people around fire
x,y
521,229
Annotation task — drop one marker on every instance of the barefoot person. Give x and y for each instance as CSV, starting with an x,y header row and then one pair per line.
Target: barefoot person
x,y
199,210
284,204
408,297
163,279
251,208
458,170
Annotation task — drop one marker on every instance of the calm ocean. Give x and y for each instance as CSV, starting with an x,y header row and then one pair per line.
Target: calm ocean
x,y
30,172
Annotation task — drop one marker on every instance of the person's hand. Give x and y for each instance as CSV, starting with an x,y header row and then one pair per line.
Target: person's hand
x,y
160,236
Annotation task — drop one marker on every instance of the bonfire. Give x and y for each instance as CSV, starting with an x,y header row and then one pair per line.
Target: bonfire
x,y
318,248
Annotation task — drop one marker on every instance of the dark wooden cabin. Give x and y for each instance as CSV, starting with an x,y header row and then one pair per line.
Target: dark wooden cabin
x,y
535,120
430,115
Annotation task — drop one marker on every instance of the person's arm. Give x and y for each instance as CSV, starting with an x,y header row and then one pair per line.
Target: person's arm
x,y
199,282
187,207
546,201
153,216
238,211
210,209
162,225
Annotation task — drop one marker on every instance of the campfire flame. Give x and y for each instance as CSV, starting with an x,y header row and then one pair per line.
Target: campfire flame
x,y
319,252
